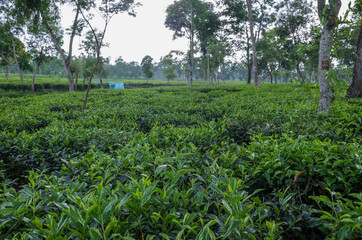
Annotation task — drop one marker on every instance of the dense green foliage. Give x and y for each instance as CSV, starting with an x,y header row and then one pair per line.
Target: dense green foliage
x,y
180,163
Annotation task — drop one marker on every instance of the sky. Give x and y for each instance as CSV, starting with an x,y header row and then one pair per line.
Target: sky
x,y
134,37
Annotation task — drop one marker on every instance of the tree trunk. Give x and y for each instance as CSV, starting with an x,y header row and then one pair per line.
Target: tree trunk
x,y
275,79
325,91
100,74
191,44
208,67
300,76
355,88
34,75
76,80
253,42
16,60
8,69
248,57
66,60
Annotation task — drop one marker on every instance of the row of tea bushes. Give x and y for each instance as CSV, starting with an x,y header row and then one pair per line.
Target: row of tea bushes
x,y
178,163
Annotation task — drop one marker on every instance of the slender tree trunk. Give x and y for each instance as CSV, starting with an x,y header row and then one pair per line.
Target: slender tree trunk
x,y
16,60
300,76
222,75
192,44
8,68
34,75
100,74
255,60
248,57
355,88
275,79
66,60
76,80
325,91
208,67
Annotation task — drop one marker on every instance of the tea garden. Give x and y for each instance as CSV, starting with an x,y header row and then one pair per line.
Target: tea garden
x,y
178,163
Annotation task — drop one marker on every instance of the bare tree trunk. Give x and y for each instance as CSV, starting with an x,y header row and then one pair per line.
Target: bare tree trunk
x,y
34,75
16,60
66,60
325,91
8,68
76,80
355,88
208,67
300,76
248,57
192,44
100,74
253,42
275,79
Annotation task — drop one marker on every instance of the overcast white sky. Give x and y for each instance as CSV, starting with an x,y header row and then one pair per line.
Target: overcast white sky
x,y
134,37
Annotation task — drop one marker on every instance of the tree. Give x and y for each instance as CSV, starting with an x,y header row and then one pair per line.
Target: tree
x,y
147,66
355,88
41,51
107,9
180,19
90,46
77,66
253,43
191,18
7,57
295,15
46,14
169,66
328,15
10,27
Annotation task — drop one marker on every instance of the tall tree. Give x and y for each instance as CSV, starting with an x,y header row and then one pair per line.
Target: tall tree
x,y
180,19
41,50
169,65
355,88
292,27
107,10
147,66
253,43
89,45
328,14
193,19
47,14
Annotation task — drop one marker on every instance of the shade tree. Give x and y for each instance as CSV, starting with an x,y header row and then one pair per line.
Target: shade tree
x,y
147,66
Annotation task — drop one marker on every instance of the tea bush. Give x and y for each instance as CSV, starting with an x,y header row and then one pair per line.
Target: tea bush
x,y
177,163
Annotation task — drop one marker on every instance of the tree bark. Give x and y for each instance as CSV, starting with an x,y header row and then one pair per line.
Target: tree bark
x,y
34,75
300,76
8,69
355,88
66,60
192,44
248,57
76,80
101,76
253,42
325,91
275,79
208,68
16,60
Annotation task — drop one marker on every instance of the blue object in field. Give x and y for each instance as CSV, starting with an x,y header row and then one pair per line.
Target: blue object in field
x,y
116,85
